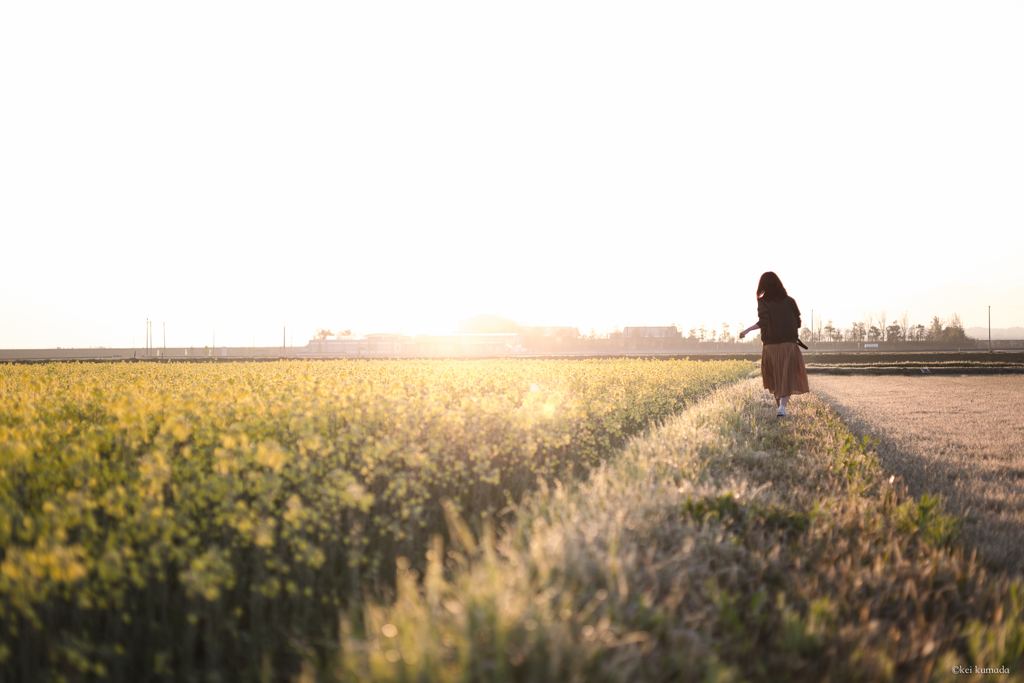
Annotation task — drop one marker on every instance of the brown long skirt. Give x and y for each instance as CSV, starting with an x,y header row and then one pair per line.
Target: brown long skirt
x,y
782,369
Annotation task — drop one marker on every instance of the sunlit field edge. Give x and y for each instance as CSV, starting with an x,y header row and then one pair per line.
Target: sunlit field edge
x,y
727,545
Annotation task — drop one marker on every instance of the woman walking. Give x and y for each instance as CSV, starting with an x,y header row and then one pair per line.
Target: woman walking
x,y
782,365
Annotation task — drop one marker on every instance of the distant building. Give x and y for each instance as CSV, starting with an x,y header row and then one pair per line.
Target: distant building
x,y
480,335
377,344
388,344
394,344
669,332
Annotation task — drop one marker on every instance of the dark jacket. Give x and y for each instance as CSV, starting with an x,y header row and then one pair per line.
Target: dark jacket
x,y
779,321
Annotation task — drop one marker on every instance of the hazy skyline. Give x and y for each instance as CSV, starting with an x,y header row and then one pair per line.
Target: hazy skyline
x,y
405,166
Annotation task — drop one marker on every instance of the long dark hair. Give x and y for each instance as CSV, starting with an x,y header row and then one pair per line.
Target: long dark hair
x,y
770,288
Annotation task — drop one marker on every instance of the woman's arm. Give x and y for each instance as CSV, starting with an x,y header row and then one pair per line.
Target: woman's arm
x,y
753,327
762,314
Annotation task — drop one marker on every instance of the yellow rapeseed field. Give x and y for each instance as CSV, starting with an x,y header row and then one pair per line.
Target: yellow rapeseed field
x,y
207,522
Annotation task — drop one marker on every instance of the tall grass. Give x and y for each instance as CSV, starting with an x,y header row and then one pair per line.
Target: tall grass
x,y
726,545
184,522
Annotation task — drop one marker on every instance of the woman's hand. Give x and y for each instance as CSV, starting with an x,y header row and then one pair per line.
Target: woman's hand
x,y
743,334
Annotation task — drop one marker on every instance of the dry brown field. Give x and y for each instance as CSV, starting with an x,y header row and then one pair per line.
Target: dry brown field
x,y
959,436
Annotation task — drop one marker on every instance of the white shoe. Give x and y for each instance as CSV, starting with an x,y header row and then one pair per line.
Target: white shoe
x,y
781,413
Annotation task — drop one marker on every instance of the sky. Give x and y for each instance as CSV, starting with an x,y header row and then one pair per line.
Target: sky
x,y
231,170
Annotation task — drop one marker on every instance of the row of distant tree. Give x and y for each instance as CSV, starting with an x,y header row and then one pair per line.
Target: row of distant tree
x,y
874,327
699,333
877,328
324,333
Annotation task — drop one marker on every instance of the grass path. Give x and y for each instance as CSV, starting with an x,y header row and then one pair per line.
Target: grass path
x,y
962,437
724,545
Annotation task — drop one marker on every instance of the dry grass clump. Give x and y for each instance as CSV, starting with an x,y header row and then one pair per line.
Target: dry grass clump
x,y
726,545
961,437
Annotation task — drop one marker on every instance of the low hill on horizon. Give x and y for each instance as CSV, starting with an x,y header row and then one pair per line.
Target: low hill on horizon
x,y
997,332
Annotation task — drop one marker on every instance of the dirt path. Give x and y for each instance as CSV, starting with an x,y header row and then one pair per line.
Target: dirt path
x,y
961,436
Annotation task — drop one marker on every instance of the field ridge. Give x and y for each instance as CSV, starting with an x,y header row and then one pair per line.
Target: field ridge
x,y
724,545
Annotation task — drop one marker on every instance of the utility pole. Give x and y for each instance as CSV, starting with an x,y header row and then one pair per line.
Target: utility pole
x,y
165,335
812,330
284,339
989,328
